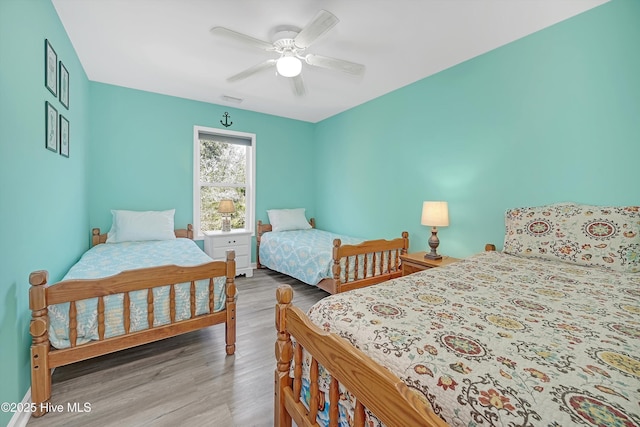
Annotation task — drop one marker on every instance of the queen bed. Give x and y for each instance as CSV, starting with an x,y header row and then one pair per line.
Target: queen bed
x,y
336,263
141,282
545,333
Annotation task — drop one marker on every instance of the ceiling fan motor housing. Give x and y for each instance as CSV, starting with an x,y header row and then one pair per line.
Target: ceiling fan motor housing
x,y
284,40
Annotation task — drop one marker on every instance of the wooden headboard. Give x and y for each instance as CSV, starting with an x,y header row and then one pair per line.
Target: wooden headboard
x,y
262,228
97,238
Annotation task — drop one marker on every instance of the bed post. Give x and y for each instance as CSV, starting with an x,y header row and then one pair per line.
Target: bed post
x,y
335,270
259,231
284,354
95,237
405,247
489,247
39,329
230,291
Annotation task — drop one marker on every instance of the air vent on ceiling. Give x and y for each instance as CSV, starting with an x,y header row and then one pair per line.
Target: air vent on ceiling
x,y
232,99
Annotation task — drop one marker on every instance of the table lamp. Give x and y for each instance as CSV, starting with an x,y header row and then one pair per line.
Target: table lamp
x,y
226,208
434,214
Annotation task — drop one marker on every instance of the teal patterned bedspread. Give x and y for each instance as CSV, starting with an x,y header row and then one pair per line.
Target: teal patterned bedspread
x,y
303,254
113,258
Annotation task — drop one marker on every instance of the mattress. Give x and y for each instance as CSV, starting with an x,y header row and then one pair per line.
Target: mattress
x,y
306,255
500,340
112,258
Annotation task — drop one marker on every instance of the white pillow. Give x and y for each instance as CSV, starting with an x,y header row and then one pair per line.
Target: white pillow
x,y
130,226
288,219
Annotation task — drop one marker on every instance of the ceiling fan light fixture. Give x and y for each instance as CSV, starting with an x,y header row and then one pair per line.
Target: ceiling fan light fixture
x,y
289,66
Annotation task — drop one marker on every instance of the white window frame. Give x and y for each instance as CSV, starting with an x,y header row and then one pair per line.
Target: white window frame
x,y
250,183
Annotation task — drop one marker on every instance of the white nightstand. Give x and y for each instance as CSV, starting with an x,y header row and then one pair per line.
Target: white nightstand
x,y
217,243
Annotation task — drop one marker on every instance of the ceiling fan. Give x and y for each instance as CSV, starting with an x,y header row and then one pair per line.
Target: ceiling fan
x,y
290,43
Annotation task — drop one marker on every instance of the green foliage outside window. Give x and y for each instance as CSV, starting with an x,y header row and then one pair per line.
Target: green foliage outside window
x,y
222,176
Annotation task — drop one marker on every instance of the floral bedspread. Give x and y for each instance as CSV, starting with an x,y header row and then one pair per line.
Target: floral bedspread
x,y
113,258
498,340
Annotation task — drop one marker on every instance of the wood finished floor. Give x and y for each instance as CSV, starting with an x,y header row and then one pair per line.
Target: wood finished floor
x,y
186,380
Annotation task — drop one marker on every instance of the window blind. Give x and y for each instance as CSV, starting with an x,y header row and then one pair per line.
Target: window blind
x,y
229,139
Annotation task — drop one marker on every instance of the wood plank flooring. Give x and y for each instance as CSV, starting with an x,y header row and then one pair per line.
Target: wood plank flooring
x,y
186,380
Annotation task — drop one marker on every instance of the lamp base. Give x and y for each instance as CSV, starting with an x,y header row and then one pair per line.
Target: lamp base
x,y
433,244
226,224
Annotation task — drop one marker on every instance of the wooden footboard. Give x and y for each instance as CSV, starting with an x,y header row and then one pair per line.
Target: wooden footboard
x,y
44,357
373,386
365,264
356,266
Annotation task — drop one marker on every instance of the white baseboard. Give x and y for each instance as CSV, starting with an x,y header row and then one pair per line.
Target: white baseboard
x,y
20,419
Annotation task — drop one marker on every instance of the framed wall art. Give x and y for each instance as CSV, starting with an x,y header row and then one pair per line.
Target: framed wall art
x,y
51,127
64,85
64,136
50,68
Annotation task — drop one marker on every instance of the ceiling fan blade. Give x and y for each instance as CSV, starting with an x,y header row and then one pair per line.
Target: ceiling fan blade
x,y
335,64
297,84
323,22
243,38
252,70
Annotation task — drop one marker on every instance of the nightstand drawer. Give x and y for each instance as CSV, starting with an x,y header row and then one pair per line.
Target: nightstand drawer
x,y
412,263
242,262
221,252
229,241
408,268
217,243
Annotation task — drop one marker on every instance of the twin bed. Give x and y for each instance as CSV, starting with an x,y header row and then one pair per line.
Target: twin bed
x,y
151,283
545,333
291,245
143,282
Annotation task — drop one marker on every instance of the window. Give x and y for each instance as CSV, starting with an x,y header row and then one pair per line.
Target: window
x,y
224,168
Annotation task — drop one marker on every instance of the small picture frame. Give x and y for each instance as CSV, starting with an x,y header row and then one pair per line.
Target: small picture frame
x,y
51,127
64,136
64,85
50,68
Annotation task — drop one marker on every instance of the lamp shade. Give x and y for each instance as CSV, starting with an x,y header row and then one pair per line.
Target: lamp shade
x,y
435,214
226,207
288,66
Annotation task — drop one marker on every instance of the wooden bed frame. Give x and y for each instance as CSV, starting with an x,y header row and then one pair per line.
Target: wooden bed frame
x,y
374,387
44,357
374,248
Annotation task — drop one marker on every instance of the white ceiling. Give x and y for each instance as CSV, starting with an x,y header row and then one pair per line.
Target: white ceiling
x,y
164,46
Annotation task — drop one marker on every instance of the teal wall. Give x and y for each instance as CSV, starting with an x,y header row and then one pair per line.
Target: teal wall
x,y
43,196
552,117
142,154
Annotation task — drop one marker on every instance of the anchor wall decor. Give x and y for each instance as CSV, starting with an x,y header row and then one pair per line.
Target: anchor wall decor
x,y
226,122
